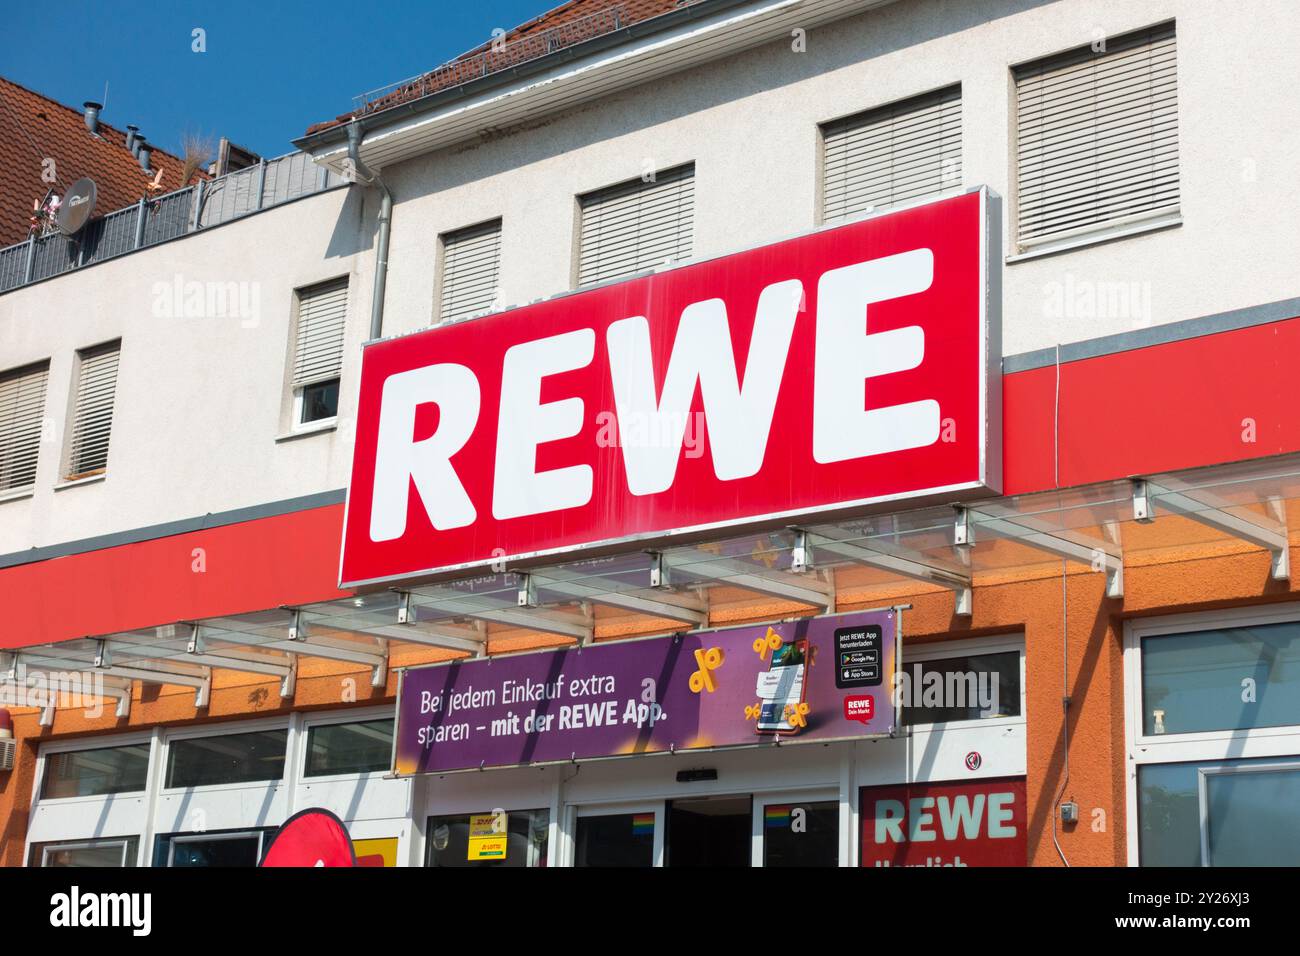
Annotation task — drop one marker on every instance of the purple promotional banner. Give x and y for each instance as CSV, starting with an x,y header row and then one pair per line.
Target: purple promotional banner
x,y
815,679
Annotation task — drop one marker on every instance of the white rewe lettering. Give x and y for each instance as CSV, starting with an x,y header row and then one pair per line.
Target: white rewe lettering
x,y
400,459
847,354
738,418
525,422
738,414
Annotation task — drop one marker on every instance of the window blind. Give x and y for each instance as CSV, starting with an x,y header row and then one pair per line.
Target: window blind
x,y
22,405
322,318
92,420
1097,136
636,225
892,154
471,261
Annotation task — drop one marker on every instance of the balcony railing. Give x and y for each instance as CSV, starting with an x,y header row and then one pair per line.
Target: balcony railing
x,y
151,221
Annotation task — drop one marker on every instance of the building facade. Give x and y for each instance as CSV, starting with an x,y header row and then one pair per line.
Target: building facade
x,y
179,425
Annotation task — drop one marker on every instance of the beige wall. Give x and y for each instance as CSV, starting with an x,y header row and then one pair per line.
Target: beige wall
x,y
201,401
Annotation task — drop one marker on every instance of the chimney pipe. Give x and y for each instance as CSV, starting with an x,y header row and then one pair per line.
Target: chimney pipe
x,y
92,115
131,132
143,156
136,142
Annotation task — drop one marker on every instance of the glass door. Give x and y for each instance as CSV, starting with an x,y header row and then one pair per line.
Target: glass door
x,y
797,830
619,836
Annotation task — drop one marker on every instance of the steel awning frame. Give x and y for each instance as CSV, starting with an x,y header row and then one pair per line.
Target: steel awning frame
x,y
943,546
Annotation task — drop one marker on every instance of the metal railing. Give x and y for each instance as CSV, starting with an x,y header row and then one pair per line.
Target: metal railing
x,y
149,222
497,57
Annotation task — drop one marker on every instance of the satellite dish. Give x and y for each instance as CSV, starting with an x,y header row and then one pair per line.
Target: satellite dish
x,y
77,205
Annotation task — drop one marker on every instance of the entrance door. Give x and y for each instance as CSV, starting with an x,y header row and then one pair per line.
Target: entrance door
x,y
710,832
618,836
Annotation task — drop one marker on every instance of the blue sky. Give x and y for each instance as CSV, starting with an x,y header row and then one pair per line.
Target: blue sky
x,y
271,68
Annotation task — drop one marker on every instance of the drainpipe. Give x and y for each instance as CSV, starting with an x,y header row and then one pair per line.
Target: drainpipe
x,y
385,228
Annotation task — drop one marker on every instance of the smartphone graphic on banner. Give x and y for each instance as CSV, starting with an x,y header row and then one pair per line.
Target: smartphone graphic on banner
x,y
784,684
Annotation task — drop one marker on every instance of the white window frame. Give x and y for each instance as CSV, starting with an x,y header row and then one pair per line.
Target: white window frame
x,y
967,647
176,838
86,845
323,720
1243,744
569,837
296,425
89,743
226,730
761,801
1203,792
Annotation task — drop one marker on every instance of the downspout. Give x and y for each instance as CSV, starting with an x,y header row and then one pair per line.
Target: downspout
x,y
385,228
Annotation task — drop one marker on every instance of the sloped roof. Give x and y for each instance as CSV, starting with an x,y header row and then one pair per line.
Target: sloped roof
x,y
34,128
565,25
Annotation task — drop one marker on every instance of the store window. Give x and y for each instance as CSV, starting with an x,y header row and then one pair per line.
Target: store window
x,y
615,839
1214,733
893,154
636,225
801,834
114,852
1220,813
318,350
97,772
1200,681
229,849
361,747
226,759
961,687
514,839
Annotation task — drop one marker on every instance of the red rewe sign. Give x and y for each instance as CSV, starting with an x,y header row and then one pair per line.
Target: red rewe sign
x,y
981,823
816,375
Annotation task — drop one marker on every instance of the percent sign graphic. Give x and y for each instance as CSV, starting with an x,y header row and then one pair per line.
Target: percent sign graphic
x,y
796,715
768,642
708,661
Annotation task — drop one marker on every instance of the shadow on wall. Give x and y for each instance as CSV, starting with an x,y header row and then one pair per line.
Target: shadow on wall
x,y
353,231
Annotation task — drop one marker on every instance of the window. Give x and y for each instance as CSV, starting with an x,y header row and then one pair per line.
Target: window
x,y
97,772
1097,138
615,839
471,262
22,405
636,225
236,848
527,832
1220,813
364,747
114,852
890,155
92,416
225,759
968,687
801,834
318,351
1194,682
1213,735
